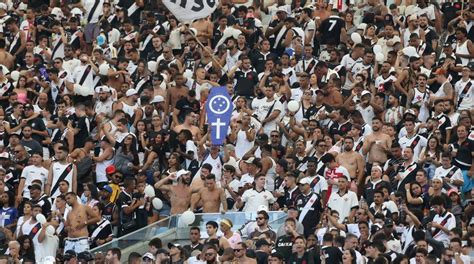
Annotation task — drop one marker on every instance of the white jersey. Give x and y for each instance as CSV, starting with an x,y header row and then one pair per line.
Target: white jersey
x,y
463,50
58,170
254,199
417,143
453,173
420,99
270,177
242,144
104,107
464,94
101,175
129,109
216,164
31,173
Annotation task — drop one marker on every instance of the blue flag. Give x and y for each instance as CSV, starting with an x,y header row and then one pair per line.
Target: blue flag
x,y
219,111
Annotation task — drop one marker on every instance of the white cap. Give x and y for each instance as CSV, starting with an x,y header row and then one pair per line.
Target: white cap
x,y
437,178
3,6
181,173
362,26
76,11
58,13
131,92
249,160
282,9
148,255
5,155
157,99
262,208
102,89
365,92
305,180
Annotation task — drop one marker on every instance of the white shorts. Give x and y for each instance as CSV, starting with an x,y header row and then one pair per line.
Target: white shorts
x,y
78,245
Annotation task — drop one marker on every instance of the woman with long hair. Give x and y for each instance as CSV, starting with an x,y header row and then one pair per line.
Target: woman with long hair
x,y
370,36
141,75
25,222
173,163
8,211
349,256
142,140
21,89
349,19
394,114
430,156
126,158
27,250
416,198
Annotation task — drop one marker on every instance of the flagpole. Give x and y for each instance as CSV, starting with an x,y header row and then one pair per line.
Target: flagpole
x,y
204,47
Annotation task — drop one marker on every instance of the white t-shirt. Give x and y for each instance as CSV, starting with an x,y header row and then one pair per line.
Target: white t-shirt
x,y
262,107
47,248
31,173
343,204
450,224
254,199
453,172
407,142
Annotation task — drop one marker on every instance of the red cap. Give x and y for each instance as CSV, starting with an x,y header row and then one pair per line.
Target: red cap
x,y
110,169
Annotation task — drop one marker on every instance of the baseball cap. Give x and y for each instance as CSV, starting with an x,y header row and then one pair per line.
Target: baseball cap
x,y
110,169
4,155
107,188
305,180
148,255
28,106
102,89
410,111
282,9
250,160
365,92
157,99
388,222
34,186
181,173
453,190
3,6
131,92
172,245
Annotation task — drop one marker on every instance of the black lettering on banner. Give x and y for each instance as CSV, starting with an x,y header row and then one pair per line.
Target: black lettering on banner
x,y
182,3
211,3
199,7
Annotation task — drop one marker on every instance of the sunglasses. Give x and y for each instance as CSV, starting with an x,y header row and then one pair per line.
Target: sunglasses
x,y
259,218
210,254
238,249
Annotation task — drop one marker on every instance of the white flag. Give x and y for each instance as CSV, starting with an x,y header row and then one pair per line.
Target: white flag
x,y
188,10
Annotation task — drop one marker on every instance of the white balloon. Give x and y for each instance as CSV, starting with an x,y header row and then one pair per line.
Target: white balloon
x,y
103,69
188,217
356,38
41,218
82,90
149,191
379,57
377,49
15,75
50,231
293,106
157,203
410,51
152,66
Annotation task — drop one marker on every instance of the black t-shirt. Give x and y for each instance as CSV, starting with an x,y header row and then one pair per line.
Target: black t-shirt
x,y
37,124
246,82
284,246
331,28
463,157
135,16
46,22
81,124
311,219
184,105
124,200
45,204
449,12
332,254
101,230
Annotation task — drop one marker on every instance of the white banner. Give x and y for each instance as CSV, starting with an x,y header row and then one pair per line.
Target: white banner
x,y
188,10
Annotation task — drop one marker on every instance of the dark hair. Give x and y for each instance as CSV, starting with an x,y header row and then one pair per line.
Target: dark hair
x,y
156,242
207,166
212,223
437,200
116,251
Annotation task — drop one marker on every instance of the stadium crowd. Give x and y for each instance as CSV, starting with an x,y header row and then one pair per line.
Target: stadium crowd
x,y
353,117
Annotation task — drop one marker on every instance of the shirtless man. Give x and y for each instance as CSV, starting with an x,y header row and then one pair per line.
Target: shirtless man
x,y
180,194
211,196
197,183
188,124
204,29
175,93
354,163
76,224
377,144
5,57
130,106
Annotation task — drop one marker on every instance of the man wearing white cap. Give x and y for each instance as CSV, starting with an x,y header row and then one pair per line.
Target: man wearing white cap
x,y
104,103
179,190
130,106
3,17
